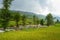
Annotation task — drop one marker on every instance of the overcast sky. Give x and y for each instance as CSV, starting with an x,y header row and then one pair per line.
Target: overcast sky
x,y
37,6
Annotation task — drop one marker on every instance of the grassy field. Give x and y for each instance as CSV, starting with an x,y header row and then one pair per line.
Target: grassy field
x,y
49,33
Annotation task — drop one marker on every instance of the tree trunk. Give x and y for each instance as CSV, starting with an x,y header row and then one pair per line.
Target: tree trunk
x,y
17,26
4,28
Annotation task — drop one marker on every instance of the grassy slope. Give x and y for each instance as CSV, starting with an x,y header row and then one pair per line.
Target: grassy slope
x,y
49,33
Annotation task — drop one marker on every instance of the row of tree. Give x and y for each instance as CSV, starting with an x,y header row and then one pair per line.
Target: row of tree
x,y
7,16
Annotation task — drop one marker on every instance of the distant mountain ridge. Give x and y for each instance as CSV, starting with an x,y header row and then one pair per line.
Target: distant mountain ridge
x,y
30,14
40,16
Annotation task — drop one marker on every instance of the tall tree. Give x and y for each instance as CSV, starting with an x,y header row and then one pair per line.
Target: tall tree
x,y
49,19
42,22
57,21
23,20
17,19
5,15
37,20
34,19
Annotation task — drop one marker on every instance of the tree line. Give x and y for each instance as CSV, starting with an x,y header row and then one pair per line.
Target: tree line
x,y
6,16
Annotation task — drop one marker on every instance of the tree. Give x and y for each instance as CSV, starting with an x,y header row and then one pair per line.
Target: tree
x,y
17,19
57,21
34,19
23,20
5,15
49,19
37,20
42,22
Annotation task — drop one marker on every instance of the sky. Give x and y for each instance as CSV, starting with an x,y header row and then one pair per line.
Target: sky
x,y
37,6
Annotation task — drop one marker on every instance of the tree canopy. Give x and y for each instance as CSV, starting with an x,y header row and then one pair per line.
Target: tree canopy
x,y
49,19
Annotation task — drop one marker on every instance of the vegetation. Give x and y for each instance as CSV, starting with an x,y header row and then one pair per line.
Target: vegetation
x,y
49,19
57,21
17,19
37,21
23,20
49,33
42,22
5,15
34,19
32,29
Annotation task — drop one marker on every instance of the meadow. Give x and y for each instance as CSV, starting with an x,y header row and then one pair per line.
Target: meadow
x,y
46,33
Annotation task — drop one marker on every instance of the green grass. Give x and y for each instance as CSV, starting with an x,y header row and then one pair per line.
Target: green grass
x,y
49,33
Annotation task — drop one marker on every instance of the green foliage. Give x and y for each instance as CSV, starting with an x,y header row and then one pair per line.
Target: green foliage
x,y
6,4
49,19
24,20
57,21
37,21
11,24
42,22
34,19
5,15
17,19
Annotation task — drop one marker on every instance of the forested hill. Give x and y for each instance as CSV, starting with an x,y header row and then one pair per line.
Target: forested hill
x,y
30,14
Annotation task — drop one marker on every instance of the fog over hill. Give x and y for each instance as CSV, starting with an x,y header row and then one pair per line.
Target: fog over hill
x,y
40,16
30,14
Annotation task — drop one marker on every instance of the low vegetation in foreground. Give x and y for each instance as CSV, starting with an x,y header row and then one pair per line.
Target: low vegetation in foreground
x,y
14,20
48,33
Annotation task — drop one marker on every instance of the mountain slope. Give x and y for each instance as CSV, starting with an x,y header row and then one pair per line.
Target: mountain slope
x,y
30,14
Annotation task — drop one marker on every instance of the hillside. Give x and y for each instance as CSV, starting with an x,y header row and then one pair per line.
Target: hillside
x,y
30,14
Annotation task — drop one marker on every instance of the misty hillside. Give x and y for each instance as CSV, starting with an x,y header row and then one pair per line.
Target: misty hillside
x,y
30,14
40,16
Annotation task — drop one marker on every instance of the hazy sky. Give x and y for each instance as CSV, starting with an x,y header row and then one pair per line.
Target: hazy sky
x,y
37,6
